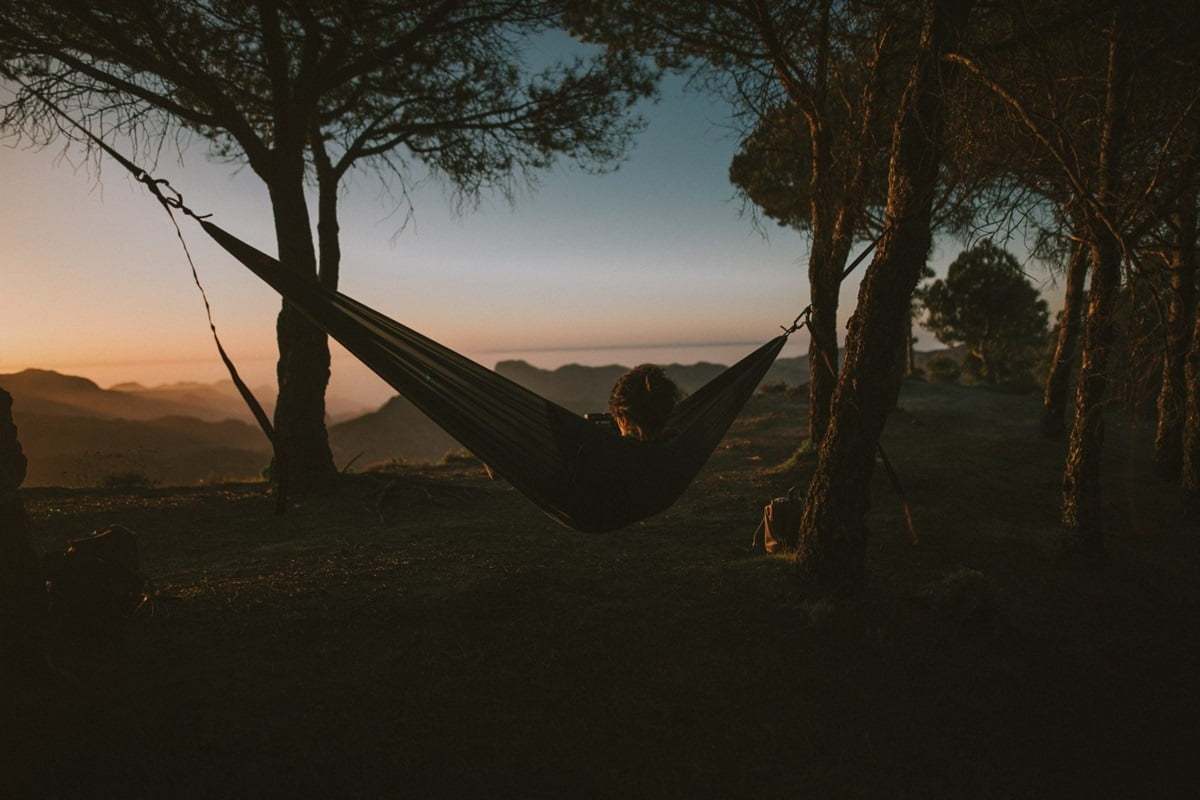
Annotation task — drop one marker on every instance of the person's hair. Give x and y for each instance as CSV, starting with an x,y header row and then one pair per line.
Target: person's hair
x,y
642,400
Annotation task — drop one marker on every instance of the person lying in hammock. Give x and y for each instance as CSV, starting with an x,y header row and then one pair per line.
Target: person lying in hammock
x,y
642,401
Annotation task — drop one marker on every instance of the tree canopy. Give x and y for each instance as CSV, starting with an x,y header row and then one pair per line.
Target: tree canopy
x,y
986,303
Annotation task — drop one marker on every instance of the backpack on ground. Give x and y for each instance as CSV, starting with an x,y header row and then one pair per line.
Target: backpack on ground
x,y
96,585
780,525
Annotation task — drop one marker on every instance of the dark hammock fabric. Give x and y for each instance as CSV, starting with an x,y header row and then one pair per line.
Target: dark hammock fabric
x,y
582,473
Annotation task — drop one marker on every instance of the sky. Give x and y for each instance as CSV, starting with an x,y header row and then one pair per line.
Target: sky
x,y
658,255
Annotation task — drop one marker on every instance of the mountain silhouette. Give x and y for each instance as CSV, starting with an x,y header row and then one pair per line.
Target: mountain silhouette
x,y
76,433
399,430
49,392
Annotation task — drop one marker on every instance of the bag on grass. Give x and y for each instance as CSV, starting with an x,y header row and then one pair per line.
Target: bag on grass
x,y
780,526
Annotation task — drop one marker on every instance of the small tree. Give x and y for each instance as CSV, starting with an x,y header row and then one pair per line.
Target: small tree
x,y
986,303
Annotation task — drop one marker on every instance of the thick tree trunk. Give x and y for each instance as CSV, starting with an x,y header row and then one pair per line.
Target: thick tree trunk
x,y
1189,478
1082,496
1082,512
303,460
1168,440
1054,399
833,531
23,601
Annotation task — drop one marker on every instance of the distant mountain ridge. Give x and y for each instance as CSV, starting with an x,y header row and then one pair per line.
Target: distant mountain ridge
x,y
49,392
73,430
76,433
399,430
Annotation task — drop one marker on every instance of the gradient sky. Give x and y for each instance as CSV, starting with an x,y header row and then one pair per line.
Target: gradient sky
x,y
656,253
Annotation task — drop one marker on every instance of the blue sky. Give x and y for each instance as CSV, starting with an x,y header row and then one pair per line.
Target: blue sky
x,y
656,253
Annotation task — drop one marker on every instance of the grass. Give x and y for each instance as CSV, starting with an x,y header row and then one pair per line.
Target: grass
x,y
430,634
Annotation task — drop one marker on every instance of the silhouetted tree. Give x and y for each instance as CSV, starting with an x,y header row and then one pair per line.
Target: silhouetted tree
x,y
1182,272
986,303
303,88
833,532
815,78
1094,107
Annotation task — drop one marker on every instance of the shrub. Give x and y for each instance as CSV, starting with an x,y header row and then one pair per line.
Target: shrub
x,y
773,388
128,469
128,480
969,596
391,466
944,369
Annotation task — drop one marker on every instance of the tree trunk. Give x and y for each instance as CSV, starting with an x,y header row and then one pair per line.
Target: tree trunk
x,y
1082,497
23,601
1082,513
985,367
303,460
1168,440
836,205
833,531
1054,400
328,229
824,280
1189,478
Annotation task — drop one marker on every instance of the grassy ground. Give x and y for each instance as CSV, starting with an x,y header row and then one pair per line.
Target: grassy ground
x,y
444,639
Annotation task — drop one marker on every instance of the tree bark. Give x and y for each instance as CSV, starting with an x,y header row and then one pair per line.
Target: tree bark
x,y
303,460
824,280
1054,399
23,600
1082,512
1189,478
1082,496
1168,440
833,531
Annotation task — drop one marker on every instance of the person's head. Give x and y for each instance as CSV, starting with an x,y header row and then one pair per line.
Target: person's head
x,y
642,400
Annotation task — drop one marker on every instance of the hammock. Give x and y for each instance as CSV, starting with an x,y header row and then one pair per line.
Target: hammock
x,y
583,474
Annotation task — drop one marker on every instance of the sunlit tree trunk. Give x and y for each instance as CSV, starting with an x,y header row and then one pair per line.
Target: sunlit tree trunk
x,y
1168,440
1054,400
833,531
1082,512
1082,497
